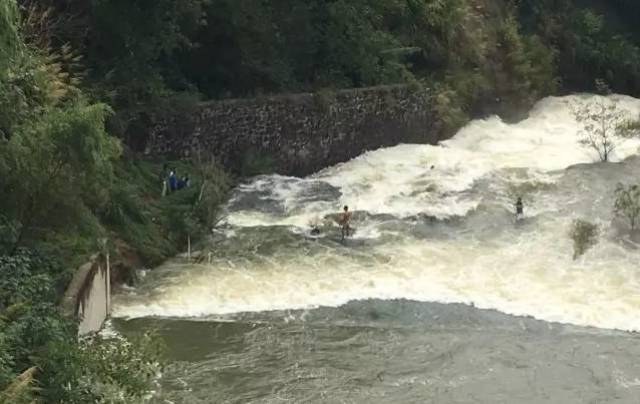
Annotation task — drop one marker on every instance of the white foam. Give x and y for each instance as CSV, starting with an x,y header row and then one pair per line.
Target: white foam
x,y
521,275
518,272
399,180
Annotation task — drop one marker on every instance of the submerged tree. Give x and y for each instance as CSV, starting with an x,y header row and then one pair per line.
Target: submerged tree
x,y
602,123
627,203
584,235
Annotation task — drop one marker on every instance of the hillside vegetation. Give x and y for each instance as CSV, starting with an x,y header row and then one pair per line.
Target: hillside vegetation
x,y
145,57
80,81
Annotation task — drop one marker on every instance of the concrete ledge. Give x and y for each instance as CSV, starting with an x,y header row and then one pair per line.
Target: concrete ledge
x,y
88,296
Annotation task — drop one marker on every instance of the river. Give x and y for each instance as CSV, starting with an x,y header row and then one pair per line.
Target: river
x,y
439,296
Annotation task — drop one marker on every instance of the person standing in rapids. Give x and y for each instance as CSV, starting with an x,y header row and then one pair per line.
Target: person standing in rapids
x,y
344,221
519,209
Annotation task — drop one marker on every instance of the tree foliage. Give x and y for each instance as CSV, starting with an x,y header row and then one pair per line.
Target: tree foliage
x,y
56,169
9,41
39,354
590,44
146,55
584,235
627,204
55,155
603,123
142,54
130,39
528,63
54,164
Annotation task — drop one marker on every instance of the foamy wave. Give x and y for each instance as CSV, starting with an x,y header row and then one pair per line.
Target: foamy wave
x,y
524,270
400,180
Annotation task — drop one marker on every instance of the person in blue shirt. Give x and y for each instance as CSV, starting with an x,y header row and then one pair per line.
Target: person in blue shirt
x,y
173,181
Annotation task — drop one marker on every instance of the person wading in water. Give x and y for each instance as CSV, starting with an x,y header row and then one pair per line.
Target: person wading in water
x,y
519,210
344,221
315,227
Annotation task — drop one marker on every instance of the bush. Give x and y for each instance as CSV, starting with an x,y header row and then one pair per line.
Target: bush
x,y
603,124
449,108
213,190
100,370
8,234
26,276
584,236
528,63
154,227
128,365
54,165
39,348
627,204
21,389
8,33
124,205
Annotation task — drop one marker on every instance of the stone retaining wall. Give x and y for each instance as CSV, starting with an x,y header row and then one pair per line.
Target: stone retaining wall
x,y
299,133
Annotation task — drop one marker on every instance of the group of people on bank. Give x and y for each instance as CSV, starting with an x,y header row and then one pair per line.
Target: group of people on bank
x,y
171,182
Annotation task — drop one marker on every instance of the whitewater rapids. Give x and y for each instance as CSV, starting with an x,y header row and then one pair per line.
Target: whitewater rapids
x,y
444,234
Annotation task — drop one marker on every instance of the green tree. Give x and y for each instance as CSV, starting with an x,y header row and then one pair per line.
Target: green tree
x,y
54,165
130,38
584,235
528,64
40,357
603,123
590,44
132,51
9,41
627,204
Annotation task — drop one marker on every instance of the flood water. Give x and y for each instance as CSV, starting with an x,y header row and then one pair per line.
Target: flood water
x,y
439,297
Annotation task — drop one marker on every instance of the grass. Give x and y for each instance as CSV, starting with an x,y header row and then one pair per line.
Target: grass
x,y
147,228
142,228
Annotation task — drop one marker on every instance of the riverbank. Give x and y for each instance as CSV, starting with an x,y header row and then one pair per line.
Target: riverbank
x,y
40,354
145,227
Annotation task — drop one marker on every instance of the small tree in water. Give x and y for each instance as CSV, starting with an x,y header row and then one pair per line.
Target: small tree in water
x,y
627,204
584,235
603,124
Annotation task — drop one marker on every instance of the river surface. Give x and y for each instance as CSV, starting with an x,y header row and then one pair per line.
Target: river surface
x,y
440,296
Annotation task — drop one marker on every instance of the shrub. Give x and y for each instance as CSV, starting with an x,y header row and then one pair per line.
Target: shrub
x,y
213,190
39,347
55,164
627,204
584,235
449,108
9,40
129,364
603,124
26,276
100,370
528,63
